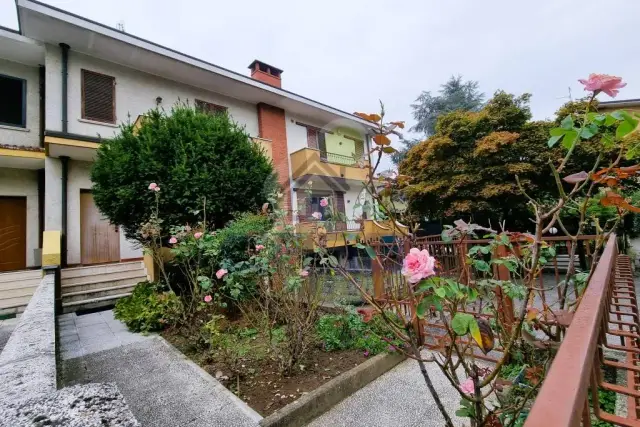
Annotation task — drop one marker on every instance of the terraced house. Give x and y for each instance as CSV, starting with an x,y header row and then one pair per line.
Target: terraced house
x,y
67,83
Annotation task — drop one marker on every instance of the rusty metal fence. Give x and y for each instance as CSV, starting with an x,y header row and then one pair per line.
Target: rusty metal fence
x,y
608,312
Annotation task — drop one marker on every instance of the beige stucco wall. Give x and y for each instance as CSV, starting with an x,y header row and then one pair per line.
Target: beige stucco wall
x,y
24,183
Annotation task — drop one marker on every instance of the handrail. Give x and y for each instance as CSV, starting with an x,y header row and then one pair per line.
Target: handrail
x,y
562,400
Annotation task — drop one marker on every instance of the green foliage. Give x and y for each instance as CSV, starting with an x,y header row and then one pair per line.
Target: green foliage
x,y
148,308
193,156
467,167
350,331
229,248
454,95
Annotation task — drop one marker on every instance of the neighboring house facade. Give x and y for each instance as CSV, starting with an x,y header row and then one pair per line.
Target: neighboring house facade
x,y
74,81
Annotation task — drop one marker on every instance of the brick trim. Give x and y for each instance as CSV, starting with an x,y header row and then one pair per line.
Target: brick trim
x,y
272,125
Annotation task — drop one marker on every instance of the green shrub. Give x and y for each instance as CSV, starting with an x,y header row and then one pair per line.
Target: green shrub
x,y
235,239
148,308
227,248
350,331
193,157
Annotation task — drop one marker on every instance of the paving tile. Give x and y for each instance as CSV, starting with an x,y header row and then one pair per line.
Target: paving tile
x,y
89,319
70,346
98,339
67,316
105,345
69,339
72,354
94,331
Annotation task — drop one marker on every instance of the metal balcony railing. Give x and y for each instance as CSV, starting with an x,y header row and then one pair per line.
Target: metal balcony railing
x,y
339,159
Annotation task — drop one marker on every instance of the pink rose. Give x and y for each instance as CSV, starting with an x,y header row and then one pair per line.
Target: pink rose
x,y
418,265
317,215
324,202
259,247
220,273
197,235
173,240
467,386
153,186
304,273
156,189
603,82
207,298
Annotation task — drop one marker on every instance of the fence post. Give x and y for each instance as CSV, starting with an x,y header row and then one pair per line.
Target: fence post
x,y
377,273
505,304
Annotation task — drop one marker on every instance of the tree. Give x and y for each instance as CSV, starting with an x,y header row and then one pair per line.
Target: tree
x,y
454,95
197,159
467,168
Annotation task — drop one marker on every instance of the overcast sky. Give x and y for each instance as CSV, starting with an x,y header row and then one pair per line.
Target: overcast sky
x,y
350,53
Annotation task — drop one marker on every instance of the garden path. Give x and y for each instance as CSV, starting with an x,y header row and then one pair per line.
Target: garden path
x,y
161,386
398,398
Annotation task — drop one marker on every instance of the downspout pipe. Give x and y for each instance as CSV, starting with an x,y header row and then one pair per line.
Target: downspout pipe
x,y
65,67
64,160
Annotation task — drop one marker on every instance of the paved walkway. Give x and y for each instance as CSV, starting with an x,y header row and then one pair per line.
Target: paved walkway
x,y
91,333
161,386
398,398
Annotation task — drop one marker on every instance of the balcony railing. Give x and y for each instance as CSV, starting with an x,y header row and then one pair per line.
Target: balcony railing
x,y
309,161
339,159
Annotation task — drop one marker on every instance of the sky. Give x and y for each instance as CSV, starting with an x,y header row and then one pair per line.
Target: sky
x,y
352,53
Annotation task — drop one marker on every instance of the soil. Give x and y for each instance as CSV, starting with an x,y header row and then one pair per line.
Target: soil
x,y
261,384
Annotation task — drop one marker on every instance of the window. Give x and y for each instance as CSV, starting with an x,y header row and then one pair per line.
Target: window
x,y
98,97
209,107
13,108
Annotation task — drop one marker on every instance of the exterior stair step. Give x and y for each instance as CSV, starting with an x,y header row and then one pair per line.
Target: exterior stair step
x,y
103,277
92,303
92,294
88,284
93,270
17,276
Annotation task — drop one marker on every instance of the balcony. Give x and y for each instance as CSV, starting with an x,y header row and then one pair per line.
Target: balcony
x,y
347,233
310,162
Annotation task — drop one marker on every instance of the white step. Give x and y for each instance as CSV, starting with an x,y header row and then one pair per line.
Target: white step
x,y
92,270
88,285
104,277
19,284
17,292
97,293
70,307
15,302
15,276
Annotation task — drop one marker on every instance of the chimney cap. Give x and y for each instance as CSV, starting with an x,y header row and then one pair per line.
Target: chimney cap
x,y
263,66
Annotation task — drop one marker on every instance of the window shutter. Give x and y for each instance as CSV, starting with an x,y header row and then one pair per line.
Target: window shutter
x,y
98,97
312,138
322,146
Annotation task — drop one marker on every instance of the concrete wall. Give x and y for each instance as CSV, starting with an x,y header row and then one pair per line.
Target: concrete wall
x,y
136,93
24,183
28,136
28,361
79,179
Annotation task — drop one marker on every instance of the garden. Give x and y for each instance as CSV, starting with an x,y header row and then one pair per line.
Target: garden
x,y
238,293
235,291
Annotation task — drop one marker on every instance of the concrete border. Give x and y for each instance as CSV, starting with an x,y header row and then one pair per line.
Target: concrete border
x,y
320,400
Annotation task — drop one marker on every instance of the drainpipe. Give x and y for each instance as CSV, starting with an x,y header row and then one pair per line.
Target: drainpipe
x,y
41,179
65,66
64,160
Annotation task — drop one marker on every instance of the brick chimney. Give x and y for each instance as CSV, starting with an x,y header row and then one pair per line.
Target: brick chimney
x,y
266,73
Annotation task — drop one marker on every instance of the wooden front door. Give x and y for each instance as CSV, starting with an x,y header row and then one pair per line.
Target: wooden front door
x,y
99,240
13,233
